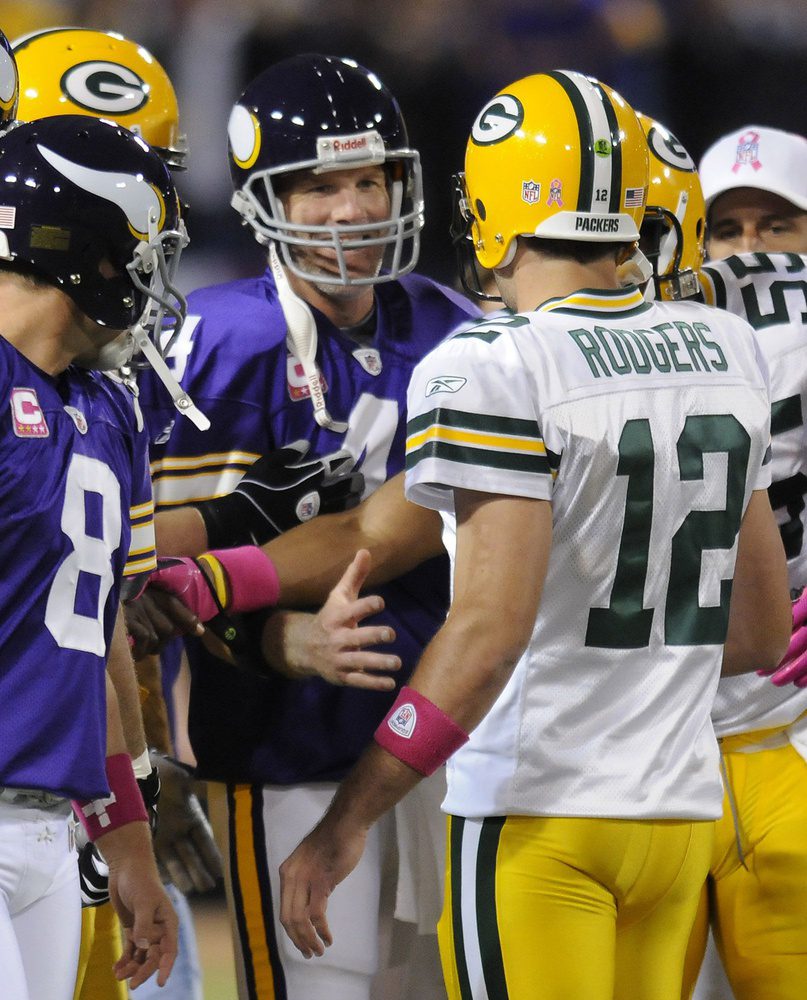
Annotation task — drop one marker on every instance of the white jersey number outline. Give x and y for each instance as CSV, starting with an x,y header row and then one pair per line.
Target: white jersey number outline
x,y
90,555
371,430
626,623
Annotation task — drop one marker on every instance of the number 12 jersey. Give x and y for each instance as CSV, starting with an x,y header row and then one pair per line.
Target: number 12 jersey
x,y
647,427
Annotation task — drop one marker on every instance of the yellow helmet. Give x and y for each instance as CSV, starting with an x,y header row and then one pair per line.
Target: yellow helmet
x,y
78,71
675,219
557,155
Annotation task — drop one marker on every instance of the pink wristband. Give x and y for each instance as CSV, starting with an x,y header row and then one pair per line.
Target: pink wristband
x,y
251,576
419,733
123,805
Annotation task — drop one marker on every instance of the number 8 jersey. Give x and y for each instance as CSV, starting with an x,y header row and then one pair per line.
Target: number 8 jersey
x,y
647,427
69,451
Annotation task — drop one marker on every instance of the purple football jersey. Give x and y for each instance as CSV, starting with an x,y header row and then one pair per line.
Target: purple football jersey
x,y
232,357
68,446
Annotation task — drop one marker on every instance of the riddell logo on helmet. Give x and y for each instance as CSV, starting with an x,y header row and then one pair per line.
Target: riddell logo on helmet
x,y
349,145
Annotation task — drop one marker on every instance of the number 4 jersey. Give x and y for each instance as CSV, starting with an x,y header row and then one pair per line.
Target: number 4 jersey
x,y
647,427
73,474
232,358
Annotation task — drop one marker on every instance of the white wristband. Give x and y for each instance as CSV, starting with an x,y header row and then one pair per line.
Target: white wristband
x,y
142,765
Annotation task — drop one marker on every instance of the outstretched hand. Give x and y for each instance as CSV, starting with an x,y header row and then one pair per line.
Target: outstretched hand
x,y
331,644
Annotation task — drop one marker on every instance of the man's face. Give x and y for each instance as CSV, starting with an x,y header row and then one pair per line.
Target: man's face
x,y
746,220
338,197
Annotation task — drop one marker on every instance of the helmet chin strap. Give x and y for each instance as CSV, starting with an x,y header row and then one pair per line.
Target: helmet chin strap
x,y
148,259
635,270
301,337
182,401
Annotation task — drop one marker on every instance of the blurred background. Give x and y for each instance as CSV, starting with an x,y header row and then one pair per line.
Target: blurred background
x,y
701,67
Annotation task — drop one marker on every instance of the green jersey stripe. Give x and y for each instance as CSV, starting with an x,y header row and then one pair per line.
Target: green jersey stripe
x,y
487,423
481,457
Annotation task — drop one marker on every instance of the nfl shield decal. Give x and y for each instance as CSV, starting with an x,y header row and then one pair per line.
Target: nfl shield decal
x,y
403,722
78,418
747,152
555,193
369,359
307,506
530,192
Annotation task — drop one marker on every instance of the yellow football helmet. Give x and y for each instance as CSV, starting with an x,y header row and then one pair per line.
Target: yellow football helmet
x,y
675,219
557,155
78,71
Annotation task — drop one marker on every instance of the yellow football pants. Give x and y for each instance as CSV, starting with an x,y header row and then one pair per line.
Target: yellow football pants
x,y
759,912
100,950
561,908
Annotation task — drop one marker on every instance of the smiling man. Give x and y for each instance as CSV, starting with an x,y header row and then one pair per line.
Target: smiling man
x,y
319,347
755,185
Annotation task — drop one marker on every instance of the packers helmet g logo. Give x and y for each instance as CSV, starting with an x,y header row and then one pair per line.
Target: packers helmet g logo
x,y
665,147
497,120
104,88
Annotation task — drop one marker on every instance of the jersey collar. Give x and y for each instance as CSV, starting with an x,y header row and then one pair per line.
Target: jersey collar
x,y
598,301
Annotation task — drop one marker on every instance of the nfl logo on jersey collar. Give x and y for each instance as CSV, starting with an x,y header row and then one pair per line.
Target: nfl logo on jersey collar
x,y
369,359
78,418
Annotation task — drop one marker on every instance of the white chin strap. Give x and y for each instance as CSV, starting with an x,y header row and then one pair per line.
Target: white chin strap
x,y
182,401
301,337
636,270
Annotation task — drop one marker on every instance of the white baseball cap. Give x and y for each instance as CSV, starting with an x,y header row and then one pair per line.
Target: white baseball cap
x,y
755,156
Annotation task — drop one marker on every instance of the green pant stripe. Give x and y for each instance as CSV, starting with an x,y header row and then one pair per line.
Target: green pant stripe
x,y
490,945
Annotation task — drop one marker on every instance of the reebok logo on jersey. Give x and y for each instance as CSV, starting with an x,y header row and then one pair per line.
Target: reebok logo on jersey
x,y
26,414
404,721
445,383
297,382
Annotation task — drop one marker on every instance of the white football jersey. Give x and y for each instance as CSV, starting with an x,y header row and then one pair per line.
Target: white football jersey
x,y
770,291
647,426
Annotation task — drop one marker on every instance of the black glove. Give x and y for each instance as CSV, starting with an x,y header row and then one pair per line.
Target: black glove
x,y
150,790
278,492
186,852
93,875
